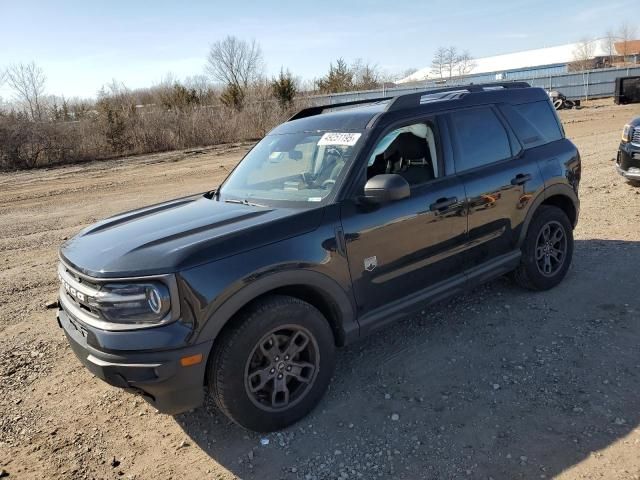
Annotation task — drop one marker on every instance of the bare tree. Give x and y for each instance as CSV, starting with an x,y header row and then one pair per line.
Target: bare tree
x,y
202,86
610,44
626,33
438,64
451,60
583,54
465,63
448,62
234,62
27,82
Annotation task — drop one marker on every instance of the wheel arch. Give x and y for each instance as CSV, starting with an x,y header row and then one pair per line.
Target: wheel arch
x,y
312,287
561,196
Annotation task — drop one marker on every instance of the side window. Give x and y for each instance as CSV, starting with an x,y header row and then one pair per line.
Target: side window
x,y
534,123
409,151
481,136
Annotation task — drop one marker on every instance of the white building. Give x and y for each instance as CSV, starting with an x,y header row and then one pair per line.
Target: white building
x,y
526,64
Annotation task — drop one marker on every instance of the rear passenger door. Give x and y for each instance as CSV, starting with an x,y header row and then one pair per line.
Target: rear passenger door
x,y
500,180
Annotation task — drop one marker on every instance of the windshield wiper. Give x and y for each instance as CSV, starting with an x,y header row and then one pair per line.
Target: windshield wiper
x,y
244,202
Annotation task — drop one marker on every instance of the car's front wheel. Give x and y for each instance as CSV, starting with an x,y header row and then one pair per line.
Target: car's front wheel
x,y
273,364
547,250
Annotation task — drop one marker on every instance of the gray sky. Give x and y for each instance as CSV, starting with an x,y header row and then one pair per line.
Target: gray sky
x,y
82,45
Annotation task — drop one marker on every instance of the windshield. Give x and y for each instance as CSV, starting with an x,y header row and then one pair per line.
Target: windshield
x,y
298,167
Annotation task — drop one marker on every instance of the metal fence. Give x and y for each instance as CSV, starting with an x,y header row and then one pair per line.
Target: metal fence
x,y
578,85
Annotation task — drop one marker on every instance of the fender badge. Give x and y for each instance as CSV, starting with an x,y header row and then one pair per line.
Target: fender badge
x,y
370,263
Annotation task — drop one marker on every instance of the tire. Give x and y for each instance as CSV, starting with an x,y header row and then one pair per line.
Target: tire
x,y
274,363
569,104
557,104
534,272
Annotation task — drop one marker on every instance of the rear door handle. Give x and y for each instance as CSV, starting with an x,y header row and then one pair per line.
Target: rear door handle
x,y
521,179
443,203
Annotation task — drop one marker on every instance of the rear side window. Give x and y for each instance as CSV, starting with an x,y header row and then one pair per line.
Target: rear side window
x,y
534,123
481,137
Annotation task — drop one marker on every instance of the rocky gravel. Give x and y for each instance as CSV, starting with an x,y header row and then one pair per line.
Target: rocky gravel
x,y
500,383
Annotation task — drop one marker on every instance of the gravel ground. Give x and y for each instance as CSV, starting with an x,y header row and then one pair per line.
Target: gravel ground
x,y
500,383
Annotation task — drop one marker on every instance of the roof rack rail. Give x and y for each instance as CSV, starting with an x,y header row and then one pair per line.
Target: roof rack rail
x,y
311,111
411,100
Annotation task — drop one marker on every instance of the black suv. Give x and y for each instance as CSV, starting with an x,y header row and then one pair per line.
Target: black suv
x,y
343,219
628,161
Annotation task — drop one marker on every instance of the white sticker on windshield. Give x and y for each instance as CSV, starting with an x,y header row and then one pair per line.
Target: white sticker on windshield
x,y
314,199
334,138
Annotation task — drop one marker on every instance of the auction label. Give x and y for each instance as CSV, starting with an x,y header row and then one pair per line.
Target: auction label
x,y
334,138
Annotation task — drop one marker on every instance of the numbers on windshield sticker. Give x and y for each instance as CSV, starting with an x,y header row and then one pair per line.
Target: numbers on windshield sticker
x,y
334,138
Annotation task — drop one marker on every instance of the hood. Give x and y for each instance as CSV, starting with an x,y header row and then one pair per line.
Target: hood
x,y
180,234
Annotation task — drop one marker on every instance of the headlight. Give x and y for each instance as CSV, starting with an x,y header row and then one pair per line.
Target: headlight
x,y
133,303
627,133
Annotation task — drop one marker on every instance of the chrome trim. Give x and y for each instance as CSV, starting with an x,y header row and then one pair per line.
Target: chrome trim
x,y
624,173
85,317
103,363
80,287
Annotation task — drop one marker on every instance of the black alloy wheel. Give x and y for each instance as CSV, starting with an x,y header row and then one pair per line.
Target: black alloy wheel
x,y
272,363
547,249
282,368
551,248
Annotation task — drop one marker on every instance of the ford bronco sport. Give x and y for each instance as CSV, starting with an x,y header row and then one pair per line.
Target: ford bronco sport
x,y
341,220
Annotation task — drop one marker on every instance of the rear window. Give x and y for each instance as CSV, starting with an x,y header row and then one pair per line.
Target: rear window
x,y
534,123
481,136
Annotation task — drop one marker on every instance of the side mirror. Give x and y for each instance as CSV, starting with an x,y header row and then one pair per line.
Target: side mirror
x,y
385,188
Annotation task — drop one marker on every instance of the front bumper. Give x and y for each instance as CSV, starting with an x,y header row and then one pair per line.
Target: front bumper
x,y
631,174
157,376
628,161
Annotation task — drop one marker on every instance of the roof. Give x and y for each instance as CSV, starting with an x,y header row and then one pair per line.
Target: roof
x,y
558,55
369,113
339,117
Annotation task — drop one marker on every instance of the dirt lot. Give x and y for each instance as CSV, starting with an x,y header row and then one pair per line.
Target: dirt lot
x,y
502,383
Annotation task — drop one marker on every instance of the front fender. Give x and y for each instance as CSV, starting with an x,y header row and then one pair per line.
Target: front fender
x,y
320,283
213,293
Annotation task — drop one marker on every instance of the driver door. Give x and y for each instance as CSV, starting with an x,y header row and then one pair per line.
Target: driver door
x,y
401,252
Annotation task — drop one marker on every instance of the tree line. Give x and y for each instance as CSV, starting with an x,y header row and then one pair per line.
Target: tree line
x,y
232,101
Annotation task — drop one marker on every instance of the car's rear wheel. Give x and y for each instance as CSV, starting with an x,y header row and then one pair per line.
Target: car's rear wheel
x,y
272,366
547,250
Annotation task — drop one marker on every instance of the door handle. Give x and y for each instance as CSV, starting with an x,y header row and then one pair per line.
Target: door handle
x,y
521,179
443,203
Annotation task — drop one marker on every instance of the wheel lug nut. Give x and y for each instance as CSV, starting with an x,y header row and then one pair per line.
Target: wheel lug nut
x,y
286,357
289,368
273,370
279,375
277,358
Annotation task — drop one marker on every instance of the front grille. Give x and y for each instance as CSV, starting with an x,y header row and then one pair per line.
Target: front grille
x,y
635,138
75,292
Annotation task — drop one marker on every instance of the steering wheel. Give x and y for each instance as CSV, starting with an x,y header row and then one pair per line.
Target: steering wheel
x,y
328,182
